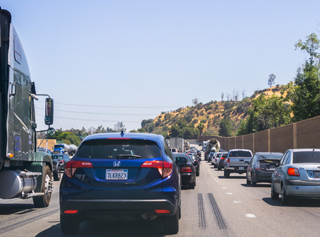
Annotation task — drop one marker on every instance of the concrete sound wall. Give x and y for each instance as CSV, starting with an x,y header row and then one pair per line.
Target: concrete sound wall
x,y
303,134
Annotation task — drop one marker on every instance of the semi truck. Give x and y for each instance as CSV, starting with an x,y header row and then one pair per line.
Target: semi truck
x,y
24,172
177,142
65,148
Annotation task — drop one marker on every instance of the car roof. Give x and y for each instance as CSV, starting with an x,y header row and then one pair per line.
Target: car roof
x,y
179,154
271,153
240,150
146,136
305,149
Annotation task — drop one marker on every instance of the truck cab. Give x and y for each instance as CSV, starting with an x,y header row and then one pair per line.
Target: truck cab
x,y
26,171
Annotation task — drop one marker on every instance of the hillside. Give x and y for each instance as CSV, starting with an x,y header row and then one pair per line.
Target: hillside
x,y
209,114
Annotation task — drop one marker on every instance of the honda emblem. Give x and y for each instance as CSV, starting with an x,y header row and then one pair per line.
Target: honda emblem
x,y
116,163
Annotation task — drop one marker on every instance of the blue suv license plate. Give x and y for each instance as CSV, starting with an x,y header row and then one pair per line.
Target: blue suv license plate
x,y
117,174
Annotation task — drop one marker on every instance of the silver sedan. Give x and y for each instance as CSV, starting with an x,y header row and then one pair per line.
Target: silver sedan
x,y
297,176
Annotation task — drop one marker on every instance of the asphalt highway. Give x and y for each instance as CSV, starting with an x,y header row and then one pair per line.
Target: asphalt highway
x,y
216,207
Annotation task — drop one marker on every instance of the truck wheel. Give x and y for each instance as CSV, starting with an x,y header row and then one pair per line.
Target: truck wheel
x,y
226,174
46,188
69,225
171,224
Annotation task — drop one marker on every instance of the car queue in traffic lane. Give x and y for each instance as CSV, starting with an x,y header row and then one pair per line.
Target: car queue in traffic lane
x,y
293,175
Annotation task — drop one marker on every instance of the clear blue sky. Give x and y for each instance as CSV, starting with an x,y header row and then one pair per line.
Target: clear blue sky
x,y
138,58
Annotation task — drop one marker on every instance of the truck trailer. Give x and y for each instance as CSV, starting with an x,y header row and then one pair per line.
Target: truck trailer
x,y
24,172
177,142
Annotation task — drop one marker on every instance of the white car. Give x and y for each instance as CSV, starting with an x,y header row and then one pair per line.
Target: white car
x,y
211,154
215,159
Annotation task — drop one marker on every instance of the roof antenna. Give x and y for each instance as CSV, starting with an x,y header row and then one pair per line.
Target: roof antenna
x,y
122,133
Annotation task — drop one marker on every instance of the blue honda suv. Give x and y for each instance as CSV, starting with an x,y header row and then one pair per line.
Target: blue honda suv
x,y
116,175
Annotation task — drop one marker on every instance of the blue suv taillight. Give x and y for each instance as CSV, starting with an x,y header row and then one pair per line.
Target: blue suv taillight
x,y
73,165
164,167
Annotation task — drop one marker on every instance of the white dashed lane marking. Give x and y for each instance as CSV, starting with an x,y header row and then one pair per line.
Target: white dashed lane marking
x,y
229,193
237,201
250,215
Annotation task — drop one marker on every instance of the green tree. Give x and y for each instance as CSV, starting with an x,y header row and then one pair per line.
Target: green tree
x,y
175,131
200,127
225,128
266,113
271,79
306,99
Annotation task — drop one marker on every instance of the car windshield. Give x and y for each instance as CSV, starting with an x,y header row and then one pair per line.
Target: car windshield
x,y
219,155
116,148
240,154
57,157
306,157
174,156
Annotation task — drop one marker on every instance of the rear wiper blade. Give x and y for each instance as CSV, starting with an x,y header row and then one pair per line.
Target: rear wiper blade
x,y
124,156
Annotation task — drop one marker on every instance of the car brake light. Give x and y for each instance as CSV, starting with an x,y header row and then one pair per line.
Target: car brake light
x,y
61,161
118,138
164,167
162,211
228,161
186,170
293,172
257,165
222,158
70,211
73,165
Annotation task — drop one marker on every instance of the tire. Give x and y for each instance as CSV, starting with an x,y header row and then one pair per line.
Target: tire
x,y
192,185
57,175
219,168
179,212
253,183
214,166
286,200
171,224
248,182
226,174
46,187
274,195
69,225
198,172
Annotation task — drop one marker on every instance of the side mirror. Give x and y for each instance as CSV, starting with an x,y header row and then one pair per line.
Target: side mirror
x,y
181,161
51,131
48,119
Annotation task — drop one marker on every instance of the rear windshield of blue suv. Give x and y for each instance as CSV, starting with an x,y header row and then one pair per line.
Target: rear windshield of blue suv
x,y
112,148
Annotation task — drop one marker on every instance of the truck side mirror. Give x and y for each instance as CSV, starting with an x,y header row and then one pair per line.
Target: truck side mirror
x,y
51,131
48,119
